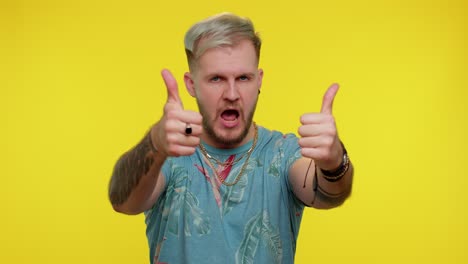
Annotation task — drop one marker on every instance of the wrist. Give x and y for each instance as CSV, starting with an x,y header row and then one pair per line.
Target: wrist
x,y
152,142
337,173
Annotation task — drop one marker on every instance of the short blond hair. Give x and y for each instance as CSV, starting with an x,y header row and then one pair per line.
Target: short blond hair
x,y
225,29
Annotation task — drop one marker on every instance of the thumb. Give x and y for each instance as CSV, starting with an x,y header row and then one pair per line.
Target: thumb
x,y
172,88
327,103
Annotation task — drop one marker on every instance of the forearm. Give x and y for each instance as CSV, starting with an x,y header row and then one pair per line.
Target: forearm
x,y
329,194
134,177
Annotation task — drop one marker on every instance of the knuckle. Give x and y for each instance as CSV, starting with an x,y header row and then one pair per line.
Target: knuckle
x,y
191,151
303,118
169,107
301,142
330,131
171,126
329,119
196,141
172,150
300,130
170,114
167,126
171,138
199,118
328,141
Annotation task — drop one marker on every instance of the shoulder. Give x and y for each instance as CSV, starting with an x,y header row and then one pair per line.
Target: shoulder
x,y
178,167
276,138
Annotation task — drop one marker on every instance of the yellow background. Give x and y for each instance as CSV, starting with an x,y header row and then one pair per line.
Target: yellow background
x,y
80,84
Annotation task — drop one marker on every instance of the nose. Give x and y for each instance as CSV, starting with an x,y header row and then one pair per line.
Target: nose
x,y
231,92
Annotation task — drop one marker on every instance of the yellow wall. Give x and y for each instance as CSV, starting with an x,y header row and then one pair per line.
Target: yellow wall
x,y
80,84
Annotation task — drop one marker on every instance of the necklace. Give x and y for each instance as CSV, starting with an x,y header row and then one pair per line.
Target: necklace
x,y
226,163
232,162
248,153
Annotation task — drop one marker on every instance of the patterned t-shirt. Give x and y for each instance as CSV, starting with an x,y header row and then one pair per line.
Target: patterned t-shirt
x,y
198,219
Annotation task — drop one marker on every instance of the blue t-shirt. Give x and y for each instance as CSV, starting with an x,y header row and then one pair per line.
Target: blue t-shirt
x,y
197,219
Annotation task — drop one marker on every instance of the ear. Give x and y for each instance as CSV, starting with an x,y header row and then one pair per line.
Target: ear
x,y
189,84
260,79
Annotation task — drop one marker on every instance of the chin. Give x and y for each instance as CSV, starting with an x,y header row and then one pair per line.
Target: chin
x,y
232,136
229,136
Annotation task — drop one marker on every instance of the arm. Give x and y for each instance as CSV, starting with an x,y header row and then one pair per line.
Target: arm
x,y
322,151
310,186
132,188
137,181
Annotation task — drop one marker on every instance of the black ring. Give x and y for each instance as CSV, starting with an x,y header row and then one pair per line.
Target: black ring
x,y
188,129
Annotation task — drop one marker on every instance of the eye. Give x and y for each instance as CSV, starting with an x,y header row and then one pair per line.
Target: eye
x,y
244,78
215,79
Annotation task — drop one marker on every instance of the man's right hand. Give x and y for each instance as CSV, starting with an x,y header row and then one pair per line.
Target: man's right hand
x,y
168,135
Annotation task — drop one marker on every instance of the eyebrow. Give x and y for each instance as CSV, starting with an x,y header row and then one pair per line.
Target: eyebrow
x,y
249,74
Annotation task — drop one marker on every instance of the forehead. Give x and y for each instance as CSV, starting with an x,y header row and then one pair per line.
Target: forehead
x,y
239,58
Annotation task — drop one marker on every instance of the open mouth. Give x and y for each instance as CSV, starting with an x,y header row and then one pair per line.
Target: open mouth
x,y
230,115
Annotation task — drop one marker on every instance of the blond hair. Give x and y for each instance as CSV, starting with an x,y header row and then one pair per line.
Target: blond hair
x,y
225,29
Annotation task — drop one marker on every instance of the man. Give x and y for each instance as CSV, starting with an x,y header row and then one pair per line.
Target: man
x,y
214,186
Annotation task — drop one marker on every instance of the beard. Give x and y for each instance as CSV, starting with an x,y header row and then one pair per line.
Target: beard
x,y
208,127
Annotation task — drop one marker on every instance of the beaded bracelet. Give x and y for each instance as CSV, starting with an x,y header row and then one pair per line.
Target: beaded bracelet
x,y
333,176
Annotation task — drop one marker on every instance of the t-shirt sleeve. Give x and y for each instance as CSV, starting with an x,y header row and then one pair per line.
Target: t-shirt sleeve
x,y
166,172
291,152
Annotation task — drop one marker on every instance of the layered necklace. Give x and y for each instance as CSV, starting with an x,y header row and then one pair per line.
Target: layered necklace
x,y
231,162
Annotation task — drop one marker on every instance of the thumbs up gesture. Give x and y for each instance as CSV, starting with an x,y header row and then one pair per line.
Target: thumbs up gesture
x,y
170,135
319,138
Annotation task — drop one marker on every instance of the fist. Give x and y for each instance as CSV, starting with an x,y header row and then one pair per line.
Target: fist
x,y
169,134
319,138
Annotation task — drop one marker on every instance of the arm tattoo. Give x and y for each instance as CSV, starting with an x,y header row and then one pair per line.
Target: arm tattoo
x,y
129,169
